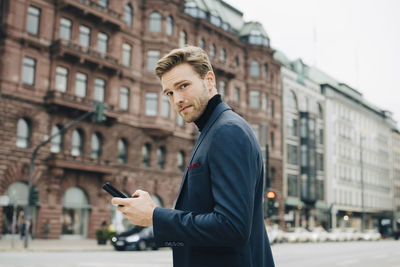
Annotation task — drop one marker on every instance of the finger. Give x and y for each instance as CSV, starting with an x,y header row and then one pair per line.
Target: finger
x,y
119,201
138,193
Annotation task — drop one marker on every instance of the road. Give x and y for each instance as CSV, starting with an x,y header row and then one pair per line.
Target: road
x,y
342,254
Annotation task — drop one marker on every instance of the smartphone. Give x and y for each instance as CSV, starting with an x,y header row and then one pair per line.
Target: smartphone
x,y
113,191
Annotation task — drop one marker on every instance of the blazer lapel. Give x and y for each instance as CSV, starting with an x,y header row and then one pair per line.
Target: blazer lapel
x,y
217,112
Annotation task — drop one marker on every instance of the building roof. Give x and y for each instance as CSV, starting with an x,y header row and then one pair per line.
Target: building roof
x,y
253,28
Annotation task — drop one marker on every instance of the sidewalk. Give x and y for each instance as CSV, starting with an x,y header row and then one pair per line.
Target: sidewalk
x,y
53,245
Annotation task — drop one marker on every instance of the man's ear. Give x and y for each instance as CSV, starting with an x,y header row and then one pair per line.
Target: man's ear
x,y
210,81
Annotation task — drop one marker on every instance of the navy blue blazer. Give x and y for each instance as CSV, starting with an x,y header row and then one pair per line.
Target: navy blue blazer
x,y
218,216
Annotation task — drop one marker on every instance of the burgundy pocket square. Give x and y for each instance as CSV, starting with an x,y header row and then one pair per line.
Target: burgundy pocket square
x,y
194,165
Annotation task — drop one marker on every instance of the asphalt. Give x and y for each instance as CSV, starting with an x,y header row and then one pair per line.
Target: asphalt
x,y
10,244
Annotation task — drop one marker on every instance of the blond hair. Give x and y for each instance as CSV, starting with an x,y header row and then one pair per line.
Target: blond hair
x,y
194,56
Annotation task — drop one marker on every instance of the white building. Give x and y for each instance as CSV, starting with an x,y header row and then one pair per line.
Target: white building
x,y
359,156
303,149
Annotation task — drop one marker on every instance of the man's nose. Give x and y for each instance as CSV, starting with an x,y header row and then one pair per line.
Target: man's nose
x,y
178,98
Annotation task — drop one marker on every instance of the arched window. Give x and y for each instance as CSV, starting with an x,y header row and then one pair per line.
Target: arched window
x,y
75,212
254,69
170,25
223,56
292,101
77,143
23,133
122,148
146,155
202,44
96,146
155,22
181,161
128,15
56,142
161,157
124,98
182,38
213,51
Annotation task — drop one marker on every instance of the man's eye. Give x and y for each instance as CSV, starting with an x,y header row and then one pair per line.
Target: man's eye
x,y
169,93
184,85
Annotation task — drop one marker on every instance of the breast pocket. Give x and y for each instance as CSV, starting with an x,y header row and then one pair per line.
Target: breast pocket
x,y
199,189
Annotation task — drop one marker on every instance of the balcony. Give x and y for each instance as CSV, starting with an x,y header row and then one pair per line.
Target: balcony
x,y
158,127
223,68
93,11
65,101
76,52
80,163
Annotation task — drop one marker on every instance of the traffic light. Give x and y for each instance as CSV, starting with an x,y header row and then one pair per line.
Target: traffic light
x,y
99,112
33,197
271,196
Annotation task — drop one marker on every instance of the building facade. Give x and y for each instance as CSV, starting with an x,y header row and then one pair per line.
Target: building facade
x,y
304,147
396,179
64,56
358,150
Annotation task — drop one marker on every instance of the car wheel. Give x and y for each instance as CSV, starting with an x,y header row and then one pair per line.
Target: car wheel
x,y
142,245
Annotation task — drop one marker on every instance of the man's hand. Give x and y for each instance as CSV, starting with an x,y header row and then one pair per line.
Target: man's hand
x,y
138,209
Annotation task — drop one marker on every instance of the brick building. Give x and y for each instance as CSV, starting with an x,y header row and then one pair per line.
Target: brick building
x,y
60,57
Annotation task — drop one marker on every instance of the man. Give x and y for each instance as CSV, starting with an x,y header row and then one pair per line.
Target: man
x,y
218,216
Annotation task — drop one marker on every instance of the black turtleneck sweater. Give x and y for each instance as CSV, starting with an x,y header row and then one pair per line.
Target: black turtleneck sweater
x,y
212,104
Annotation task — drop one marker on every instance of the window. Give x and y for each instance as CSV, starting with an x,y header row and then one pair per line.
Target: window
x,y
126,55
152,57
99,88
95,146
61,79
320,161
80,84
254,69
124,98
23,133
103,3
321,136
122,149
222,88
161,157
170,25
272,108
151,104
264,101
84,36
128,15
213,51
254,99
180,120
304,155
292,185
165,106
292,101
222,56
292,127
182,38
56,142
237,61
292,157
77,143
65,29
320,112
102,42
303,128
181,161
155,22
266,71
202,44
146,155
33,20
256,130
237,95
28,71
272,139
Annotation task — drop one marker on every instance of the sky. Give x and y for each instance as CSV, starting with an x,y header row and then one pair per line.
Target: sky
x,y
354,41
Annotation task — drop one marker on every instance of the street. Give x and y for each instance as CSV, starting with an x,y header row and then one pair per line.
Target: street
x,y
349,254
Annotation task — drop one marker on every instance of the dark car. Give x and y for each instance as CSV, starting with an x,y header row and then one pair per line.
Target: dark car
x,y
134,240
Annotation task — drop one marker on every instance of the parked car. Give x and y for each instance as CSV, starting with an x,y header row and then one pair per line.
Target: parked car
x,y
352,234
275,234
371,235
296,235
318,235
336,234
133,240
